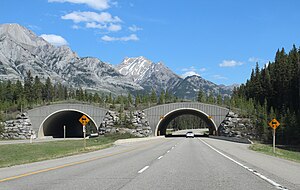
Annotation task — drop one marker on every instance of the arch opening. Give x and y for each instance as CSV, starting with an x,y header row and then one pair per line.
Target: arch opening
x,y
162,125
53,125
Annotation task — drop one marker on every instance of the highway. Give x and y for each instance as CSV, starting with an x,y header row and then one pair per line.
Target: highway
x,y
171,163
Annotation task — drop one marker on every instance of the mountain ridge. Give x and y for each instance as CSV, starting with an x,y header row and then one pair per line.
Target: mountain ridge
x,y
22,51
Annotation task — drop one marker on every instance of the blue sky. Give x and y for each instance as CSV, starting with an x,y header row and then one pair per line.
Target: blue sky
x,y
219,40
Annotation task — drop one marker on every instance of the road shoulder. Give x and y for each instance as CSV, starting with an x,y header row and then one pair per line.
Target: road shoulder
x,y
279,169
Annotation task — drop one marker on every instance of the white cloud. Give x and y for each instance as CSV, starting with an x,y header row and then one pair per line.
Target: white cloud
x,y
189,73
103,21
54,39
76,27
230,63
192,71
101,18
219,77
254,59
114,27
132,37
202,69
95,25
111,27
259,60
134,28
95,4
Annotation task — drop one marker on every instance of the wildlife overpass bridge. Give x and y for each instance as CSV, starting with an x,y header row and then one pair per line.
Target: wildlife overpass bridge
x,y
50,120
160,116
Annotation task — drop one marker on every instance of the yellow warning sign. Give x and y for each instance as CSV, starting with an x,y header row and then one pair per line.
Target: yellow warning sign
x,y
84,120
274,123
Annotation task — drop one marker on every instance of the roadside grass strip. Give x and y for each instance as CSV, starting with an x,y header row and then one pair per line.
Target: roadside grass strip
x,y
281,153
16,154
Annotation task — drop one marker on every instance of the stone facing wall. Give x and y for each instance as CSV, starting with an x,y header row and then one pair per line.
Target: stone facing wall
x,y
235,126
139,126
20,128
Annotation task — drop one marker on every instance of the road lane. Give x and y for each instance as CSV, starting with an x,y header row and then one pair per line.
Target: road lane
x,y
108,172
177,163
193,165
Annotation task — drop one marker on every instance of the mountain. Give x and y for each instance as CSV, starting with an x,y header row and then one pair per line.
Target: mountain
x,y
22,51
134,68
148,74
157,76
189,87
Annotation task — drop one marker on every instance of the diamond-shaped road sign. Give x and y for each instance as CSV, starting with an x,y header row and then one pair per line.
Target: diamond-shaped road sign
x,y
274,123
84,120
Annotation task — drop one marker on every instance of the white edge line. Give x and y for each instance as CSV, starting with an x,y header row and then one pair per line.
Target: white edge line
x,y
142,170
278,186
160,157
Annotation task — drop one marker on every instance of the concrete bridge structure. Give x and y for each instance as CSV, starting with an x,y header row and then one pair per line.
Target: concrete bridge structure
x,y
160,116
49,120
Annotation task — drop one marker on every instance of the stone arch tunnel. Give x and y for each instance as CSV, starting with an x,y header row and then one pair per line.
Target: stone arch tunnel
x,y
54,124
159,116
165,120
49,120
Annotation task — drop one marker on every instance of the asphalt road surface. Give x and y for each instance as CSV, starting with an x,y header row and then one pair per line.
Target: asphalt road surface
x,y
173,163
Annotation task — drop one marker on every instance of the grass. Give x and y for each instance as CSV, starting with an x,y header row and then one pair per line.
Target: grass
x,y
15,154
281,153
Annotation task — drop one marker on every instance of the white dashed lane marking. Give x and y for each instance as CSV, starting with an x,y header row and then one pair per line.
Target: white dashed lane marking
x,y
159,158
143,169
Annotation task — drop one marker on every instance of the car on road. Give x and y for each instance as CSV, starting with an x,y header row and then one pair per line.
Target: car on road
x,y
190,134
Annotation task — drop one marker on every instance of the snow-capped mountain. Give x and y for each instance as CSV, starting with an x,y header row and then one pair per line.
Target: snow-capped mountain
x,y
148,74
134,68
21,50
157,76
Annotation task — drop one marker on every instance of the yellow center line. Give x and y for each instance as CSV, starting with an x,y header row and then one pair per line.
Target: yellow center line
x,y
66,165
72,163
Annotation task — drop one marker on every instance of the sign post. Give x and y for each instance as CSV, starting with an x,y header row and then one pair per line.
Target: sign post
x,y
274,124
64,132
84,120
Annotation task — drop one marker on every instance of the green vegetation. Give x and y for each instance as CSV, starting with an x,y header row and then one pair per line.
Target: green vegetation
x,y
15,154
18,96
273,92
187,122
268,149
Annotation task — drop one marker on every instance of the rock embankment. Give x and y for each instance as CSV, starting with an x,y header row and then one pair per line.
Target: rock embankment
x,y
20,128
134,123
235,126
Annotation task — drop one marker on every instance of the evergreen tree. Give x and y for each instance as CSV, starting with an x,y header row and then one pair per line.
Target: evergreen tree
x,y
161,99
28,87
37,89
48,91
129,99
200,96
153,97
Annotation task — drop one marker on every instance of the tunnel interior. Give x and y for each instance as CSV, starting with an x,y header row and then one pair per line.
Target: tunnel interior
x,y
53,125
162,127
